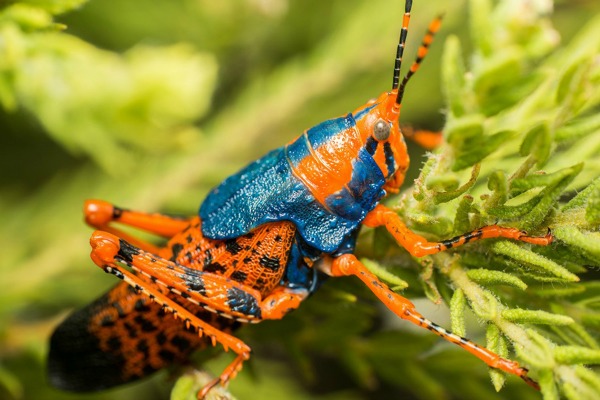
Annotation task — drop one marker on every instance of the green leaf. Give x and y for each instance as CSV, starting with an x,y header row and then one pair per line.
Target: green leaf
x,y
533,212
588,377
453,77
481,29
581,199
457,313
547,385
444,197
592,210
571,355
538,353
498,184
428,282
475,148
537,143
460,130
496,343
188,385
55,6
384,274
539,317
462,219
489,277
26,17
587,243
529,258
520,185
578,128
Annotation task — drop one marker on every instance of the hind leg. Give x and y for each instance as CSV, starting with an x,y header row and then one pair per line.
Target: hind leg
x,y
103,215
348,264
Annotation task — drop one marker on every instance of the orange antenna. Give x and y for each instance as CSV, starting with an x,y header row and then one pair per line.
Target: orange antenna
x,y
401,43
434,26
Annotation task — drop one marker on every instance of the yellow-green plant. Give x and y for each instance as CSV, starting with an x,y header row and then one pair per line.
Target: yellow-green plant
x,y
522,149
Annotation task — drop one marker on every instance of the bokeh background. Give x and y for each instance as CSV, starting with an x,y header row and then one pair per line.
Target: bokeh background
x,y
148,105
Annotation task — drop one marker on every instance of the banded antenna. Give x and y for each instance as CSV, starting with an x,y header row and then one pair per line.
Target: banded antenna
x,y
434,27
401,44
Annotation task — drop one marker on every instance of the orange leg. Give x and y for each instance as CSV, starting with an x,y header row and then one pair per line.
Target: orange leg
x,y
418,246
100,214
211,291
105,254
214,292
348,264
429,140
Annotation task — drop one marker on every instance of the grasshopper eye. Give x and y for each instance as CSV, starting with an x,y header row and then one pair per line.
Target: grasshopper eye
x,y
381,130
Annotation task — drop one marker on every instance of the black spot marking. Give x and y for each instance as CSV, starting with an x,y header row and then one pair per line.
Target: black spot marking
x,y
107,321
188,238
131,331
208,259
176,249
195,284
189,257
239,276
114,343
166,355
278,238
142,346
242,302
271,263
247,260
232,246
127,251
141,306
119,309
181,343
215,267
161,338
145,325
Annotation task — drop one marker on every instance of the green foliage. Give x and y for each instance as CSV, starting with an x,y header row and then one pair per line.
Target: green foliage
x,y
510,113
103,99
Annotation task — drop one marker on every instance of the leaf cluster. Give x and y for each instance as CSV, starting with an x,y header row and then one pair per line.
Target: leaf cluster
x,y
522,121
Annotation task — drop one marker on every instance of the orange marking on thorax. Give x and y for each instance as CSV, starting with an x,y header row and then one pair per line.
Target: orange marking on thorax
x,y
328,168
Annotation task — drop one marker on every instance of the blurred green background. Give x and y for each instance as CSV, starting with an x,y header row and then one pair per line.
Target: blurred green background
x,y
148,105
